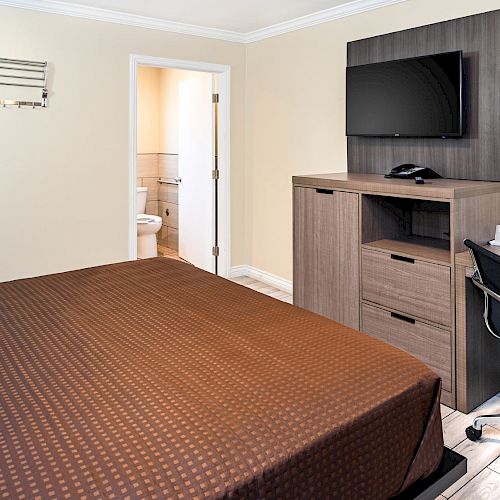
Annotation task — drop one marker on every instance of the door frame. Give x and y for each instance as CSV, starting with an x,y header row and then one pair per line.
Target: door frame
x,y
224,183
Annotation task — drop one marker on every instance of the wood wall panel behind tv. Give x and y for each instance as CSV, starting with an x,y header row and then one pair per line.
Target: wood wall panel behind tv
x,y
477,154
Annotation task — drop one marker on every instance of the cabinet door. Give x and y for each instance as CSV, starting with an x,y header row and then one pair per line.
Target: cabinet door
x,y
326,253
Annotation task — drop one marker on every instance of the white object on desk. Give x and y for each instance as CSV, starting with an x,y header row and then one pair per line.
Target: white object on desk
x,y
496,241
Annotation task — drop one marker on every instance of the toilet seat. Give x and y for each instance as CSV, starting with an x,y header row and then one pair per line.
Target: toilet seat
x,y
148,219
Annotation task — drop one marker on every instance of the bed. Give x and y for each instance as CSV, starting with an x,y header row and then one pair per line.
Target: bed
x,y
153,379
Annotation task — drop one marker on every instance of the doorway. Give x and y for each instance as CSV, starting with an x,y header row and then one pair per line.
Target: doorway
x,y
195,172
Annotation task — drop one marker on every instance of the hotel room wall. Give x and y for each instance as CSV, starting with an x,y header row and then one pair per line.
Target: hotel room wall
x,y
295,118
65,168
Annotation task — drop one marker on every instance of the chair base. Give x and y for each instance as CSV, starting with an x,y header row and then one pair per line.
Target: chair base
x,y
473,434
475,431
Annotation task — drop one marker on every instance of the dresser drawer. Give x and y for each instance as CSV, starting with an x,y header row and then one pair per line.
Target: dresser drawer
x,y
430,344
409,286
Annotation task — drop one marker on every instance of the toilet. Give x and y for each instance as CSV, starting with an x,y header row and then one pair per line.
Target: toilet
x,y
147,227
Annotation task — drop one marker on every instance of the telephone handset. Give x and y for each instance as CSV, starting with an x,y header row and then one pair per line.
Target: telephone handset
x,y
410,171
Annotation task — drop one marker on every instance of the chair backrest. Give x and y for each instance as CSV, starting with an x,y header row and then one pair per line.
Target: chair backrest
x,y
488,265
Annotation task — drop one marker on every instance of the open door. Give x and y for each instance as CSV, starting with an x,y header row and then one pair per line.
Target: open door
x,y
197,192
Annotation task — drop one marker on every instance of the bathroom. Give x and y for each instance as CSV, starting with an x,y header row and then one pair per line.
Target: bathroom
x,y
175,114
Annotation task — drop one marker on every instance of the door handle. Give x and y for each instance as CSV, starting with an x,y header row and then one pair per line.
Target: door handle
x,y
324,191
178,180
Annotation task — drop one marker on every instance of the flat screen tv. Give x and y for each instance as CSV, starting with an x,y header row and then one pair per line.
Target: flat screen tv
x,y
417,97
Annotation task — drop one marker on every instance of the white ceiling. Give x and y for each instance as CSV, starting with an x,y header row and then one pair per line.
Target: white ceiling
x,y
240,16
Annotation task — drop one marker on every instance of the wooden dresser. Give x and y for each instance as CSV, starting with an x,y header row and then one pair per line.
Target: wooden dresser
x,y
378,255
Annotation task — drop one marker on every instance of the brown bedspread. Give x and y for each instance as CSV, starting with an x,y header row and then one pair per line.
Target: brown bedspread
x,y
153,379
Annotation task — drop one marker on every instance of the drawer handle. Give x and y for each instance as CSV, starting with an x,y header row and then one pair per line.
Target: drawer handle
x,y
324,191
403,259
403,318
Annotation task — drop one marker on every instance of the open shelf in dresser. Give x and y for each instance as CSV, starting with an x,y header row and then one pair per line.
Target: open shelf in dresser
x,y
413,228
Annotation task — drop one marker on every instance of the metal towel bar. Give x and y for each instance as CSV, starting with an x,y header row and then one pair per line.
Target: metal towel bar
x,y
14,75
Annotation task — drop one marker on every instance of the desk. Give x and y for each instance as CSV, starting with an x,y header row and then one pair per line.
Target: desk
x,y
477,351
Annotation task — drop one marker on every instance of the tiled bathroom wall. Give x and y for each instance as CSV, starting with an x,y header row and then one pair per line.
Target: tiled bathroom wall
x,y
168,200
147,176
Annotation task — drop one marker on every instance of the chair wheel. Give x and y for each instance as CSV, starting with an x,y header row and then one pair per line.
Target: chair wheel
x,y
473,434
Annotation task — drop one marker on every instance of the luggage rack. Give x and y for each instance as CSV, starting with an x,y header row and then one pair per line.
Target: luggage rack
x,y
28,74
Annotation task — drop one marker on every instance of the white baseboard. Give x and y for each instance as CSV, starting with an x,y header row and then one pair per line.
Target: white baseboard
x,y
268,278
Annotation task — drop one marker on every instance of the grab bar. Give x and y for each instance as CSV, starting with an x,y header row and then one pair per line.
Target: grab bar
x,y
174,182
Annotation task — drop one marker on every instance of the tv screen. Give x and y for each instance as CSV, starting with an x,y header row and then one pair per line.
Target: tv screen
x,y
417,97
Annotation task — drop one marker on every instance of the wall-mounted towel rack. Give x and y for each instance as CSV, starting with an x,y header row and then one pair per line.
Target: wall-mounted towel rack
x,y
21,73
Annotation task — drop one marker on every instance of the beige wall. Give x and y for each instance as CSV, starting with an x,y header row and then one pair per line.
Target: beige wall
x,y
64,170
169,98
295,114
148,109
157,108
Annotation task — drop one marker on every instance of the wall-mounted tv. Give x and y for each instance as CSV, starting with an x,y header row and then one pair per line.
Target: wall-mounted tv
x,y
417,97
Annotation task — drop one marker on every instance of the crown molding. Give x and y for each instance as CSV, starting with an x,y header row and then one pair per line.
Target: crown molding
x,y
323,16
111,16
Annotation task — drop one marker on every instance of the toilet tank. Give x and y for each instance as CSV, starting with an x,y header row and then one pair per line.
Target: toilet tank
x,y
142,194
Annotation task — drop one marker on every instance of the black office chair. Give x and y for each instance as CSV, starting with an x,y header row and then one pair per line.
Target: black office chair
x,y
486,277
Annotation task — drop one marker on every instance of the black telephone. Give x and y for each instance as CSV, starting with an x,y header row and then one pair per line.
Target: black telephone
x,y
410,171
